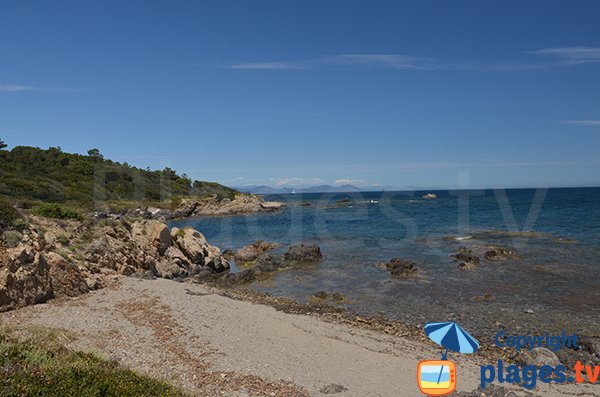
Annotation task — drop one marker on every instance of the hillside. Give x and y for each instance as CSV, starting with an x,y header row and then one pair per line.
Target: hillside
x,y
51,175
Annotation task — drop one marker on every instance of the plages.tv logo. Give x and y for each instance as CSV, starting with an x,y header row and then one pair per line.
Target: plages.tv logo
x,y
438,377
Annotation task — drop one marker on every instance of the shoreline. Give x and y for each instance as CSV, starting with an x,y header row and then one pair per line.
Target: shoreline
x,y
209,341
78,259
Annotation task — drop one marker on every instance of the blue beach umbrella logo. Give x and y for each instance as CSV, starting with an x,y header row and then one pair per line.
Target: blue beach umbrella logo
x,y
438,377
451,336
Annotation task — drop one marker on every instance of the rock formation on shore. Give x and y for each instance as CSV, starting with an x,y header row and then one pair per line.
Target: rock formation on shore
x,y
240,204
55,258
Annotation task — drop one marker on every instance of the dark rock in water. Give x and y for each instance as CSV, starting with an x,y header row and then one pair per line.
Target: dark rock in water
x,y
498,254
400,268
268,263
466,259
251,252
305,204
303,253
343,202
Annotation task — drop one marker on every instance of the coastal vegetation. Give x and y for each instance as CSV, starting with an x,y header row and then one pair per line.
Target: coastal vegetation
x,y
39,364
31,175
9,216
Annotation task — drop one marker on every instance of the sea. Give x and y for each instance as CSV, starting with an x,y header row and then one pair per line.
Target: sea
x,y
552,282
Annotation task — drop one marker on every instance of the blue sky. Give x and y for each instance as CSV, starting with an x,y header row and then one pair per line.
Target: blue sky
x,y
379,94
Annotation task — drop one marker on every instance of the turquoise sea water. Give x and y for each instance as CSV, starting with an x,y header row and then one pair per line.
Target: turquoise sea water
x,y
554,284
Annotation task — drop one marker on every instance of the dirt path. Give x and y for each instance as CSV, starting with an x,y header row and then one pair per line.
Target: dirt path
x,y
212,345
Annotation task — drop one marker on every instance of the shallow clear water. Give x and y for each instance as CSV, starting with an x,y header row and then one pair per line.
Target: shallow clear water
x,y
556,275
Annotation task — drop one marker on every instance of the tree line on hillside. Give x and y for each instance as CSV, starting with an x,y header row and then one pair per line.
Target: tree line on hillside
x,y
52,175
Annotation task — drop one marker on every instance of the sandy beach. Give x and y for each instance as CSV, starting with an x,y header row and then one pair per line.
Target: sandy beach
x,y
210,345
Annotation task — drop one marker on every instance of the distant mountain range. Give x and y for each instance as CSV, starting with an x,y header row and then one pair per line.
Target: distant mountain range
x,y
263,189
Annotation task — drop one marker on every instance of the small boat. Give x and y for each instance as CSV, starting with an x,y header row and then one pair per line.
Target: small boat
x,y
293,191
373,201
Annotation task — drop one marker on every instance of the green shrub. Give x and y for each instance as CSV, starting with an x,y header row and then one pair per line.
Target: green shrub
x,y
50,210
12,238
8,215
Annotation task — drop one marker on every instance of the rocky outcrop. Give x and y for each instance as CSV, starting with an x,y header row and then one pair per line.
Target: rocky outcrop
x,y
251,252
67,258
400,268
190,207
266,264
241,204
303,253
24,278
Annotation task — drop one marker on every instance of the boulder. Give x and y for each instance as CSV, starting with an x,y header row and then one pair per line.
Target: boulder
x,y
303,253
251,252
192,243
214,259
268,263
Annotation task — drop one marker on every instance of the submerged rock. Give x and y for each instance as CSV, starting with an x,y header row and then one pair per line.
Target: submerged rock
x,y
303,253
268,263
499,254
322,297
465,258
400,268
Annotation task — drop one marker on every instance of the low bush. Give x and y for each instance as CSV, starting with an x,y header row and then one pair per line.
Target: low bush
x,y
12,238
56,211
8,215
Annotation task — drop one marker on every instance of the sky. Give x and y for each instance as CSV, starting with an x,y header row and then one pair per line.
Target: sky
x,y
379,94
